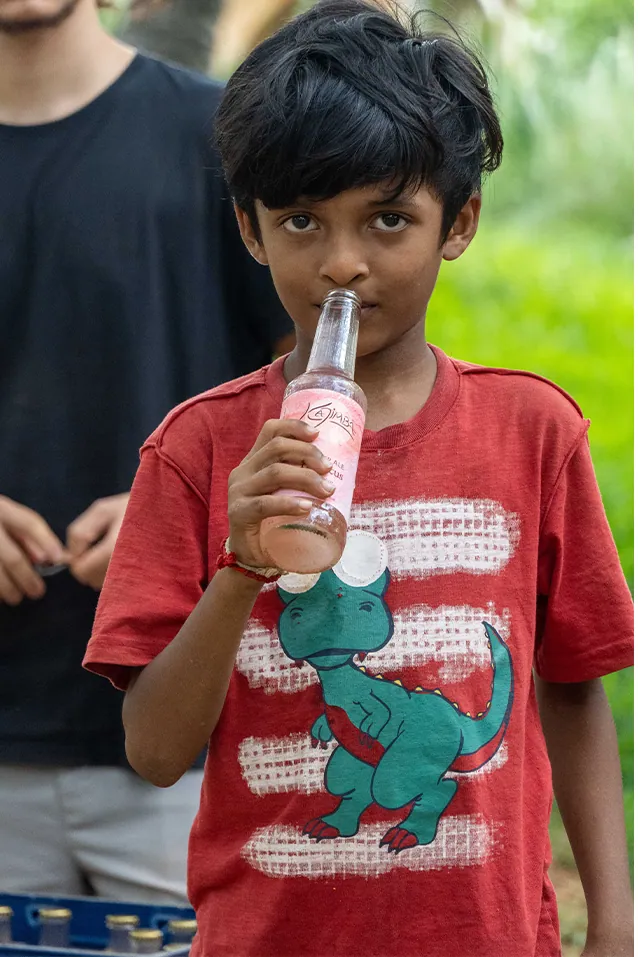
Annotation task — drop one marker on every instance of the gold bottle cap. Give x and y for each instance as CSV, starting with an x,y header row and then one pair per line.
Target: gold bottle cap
x,y
146,934
182,925
6,911
54,913
121,920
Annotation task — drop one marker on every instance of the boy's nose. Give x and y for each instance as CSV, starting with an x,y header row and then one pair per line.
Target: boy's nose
x,y
342,266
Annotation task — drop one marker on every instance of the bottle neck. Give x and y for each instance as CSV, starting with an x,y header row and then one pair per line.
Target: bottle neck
x,y
335,344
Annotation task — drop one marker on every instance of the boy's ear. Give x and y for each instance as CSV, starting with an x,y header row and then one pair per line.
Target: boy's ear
x,y
252,241
464,229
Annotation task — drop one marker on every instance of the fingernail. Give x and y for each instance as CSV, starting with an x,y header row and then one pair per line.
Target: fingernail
x,y
328,487
305,504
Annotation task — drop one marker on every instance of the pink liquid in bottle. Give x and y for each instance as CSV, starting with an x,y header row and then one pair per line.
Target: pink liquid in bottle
x,y
327,398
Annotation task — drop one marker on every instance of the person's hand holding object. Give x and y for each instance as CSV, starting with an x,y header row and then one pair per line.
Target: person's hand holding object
x,y
25,540
91,539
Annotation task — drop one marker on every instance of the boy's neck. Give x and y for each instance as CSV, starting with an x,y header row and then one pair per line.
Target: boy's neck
x,y
49,73
397,381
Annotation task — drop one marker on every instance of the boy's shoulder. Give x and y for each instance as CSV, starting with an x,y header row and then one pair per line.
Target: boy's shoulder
x,y
529,385
237,409
204,410
517,390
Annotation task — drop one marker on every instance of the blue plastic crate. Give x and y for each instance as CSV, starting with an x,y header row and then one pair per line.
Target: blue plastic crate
x,y
89,934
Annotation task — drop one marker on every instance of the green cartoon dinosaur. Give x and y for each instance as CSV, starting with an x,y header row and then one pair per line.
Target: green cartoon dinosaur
x,y
394,746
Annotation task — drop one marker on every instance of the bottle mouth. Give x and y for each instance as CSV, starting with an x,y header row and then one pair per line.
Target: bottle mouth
x,y
343,294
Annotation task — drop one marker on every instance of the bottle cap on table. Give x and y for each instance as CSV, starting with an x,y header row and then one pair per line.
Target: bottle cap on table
x,y
146,934
54,913
6,911
183,925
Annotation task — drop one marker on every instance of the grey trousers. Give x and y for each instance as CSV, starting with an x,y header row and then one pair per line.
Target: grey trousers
x,y
100,830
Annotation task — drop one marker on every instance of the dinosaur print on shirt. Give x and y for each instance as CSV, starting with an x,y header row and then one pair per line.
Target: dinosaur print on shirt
x,y
394,746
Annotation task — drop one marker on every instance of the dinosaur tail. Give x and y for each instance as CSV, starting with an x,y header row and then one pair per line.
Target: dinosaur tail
x,y
482,736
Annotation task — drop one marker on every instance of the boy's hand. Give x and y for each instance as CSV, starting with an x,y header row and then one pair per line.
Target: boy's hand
x,y
91,539
283,457
25,539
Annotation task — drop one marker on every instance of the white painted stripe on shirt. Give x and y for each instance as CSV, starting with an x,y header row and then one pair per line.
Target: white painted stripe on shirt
x,y
292,765
451,635
283,765
454,636
438,536
284,851
262,660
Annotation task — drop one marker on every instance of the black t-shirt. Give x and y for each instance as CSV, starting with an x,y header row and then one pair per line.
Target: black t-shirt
x,y
124,289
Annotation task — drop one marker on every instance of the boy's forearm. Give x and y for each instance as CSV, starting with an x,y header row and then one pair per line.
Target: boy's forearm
x,y
583,750
172,706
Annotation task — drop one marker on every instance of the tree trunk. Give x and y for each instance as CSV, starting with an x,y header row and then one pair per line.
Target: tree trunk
x,y
177,30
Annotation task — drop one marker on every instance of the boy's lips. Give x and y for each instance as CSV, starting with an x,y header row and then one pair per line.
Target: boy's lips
x,y
366,307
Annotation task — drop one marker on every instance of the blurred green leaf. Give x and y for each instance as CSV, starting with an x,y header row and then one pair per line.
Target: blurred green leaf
x,y
559,304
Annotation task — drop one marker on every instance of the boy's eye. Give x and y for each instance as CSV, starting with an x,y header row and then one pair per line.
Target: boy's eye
x,y
300,223
390,222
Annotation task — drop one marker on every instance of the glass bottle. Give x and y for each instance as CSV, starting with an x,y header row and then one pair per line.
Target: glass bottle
x,y
55,926
182,931
328,399
119,927
146,941
6,936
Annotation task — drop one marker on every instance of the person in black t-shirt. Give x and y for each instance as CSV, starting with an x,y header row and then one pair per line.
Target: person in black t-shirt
x,y
124,289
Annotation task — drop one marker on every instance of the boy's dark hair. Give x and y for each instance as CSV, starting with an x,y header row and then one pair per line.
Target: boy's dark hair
x,y
351,94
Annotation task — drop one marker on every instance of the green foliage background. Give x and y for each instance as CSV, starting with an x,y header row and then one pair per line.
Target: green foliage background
x,y
547,285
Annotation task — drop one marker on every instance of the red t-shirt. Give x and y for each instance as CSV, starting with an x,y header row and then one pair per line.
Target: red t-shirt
x,y
478,550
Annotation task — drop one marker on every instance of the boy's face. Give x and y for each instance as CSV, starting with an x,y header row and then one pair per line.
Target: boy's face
x,y
389,252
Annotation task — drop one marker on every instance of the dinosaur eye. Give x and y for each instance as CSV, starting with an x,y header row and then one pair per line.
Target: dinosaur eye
x,y
296,613
366,606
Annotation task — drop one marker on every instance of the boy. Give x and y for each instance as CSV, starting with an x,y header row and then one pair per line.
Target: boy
x,y
478,550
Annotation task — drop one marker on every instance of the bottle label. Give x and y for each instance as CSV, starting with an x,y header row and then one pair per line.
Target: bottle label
x,y
340,422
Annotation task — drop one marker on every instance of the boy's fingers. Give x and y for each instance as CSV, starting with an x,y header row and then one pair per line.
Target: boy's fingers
x,y
288,428
284,476
281,449
255,510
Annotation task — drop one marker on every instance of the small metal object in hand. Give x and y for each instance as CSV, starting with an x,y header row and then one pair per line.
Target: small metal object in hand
x,y
45,569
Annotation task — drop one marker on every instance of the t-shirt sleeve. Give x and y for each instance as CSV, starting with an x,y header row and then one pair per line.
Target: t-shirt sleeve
x,y
585,613
157,573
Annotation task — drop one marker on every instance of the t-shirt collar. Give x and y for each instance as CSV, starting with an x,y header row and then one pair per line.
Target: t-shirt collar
x,y
429,416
